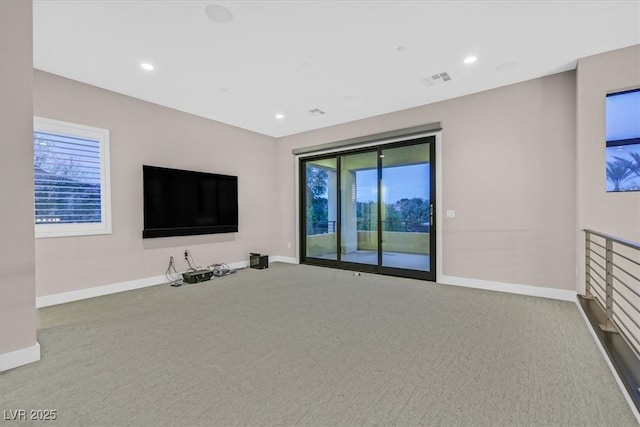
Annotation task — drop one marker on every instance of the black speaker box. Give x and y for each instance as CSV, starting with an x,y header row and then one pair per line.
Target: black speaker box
x,y
258,261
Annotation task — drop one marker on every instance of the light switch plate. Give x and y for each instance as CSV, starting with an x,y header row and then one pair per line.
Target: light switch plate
x,y
451,213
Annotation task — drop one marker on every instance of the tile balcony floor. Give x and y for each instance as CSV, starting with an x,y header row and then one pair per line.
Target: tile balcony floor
x,y
408,261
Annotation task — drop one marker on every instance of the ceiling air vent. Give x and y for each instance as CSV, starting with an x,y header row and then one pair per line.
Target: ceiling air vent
x,y
315,112
436,79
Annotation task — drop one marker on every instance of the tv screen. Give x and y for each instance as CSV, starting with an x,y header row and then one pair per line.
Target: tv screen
x,y
184,203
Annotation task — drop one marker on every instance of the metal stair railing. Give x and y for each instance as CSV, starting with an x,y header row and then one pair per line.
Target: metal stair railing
x,y
612,303
613,279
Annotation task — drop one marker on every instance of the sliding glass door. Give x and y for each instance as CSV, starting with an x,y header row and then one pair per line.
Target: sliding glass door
x,y
320,198
359,208
406,213
371,209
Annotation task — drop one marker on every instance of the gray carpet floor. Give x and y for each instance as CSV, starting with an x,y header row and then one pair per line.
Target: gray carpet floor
x,y
309,346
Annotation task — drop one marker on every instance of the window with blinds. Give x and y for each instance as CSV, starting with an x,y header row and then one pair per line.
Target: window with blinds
x,y
71,179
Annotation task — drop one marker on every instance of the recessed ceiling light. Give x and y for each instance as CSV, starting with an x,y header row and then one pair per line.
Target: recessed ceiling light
x,y
470,59
218,13
279,116
147,66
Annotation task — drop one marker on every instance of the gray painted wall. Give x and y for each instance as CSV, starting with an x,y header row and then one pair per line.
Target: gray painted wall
x,y
145,133
509,160
17,266
509,172
617,214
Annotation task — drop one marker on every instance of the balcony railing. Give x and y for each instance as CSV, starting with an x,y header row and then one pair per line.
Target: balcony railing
x,y
396,225
325,227
321,227
613,285
612,302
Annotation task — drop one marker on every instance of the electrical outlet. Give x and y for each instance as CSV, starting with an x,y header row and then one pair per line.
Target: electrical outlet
x,y
289,245
186,254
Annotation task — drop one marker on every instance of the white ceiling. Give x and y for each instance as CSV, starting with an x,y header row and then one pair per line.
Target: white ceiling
x,y
350,59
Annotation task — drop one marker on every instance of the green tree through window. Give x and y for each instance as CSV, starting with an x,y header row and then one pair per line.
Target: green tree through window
x,y
317,200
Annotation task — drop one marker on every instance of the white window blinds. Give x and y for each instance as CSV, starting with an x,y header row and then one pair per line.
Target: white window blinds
x,y
70,179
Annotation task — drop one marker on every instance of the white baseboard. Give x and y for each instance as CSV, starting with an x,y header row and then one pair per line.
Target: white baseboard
x,y
287,259
239,264
97,291
65,297
625,393
80,294
20,357
275,258
559,294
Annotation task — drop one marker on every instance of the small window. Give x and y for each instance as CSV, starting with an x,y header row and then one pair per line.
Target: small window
x,y
623,141
71,177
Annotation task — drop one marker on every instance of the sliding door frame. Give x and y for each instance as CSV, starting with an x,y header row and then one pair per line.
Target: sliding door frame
x,y
430,275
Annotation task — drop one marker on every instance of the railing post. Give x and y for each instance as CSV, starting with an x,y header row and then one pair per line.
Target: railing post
x,y
587,267
609,326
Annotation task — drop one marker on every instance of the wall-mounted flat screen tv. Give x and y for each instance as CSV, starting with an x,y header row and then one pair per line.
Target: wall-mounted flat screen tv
x,y
623,141
185,203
